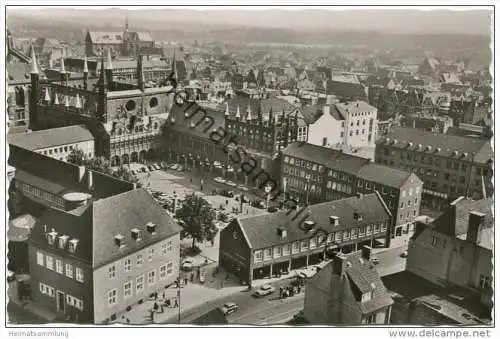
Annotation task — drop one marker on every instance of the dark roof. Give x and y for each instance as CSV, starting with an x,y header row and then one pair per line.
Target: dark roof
x,y
277,105
18,73
345,89
361,277
455,220
261,231
46,185
213,317
121,213
328,157
106,37
313,113
385,175
480,149
51,137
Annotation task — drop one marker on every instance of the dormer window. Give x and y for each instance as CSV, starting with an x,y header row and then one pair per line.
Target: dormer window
x,y
119,240
51,237
73,244
358,216
366,296
136,234
151,228
63,240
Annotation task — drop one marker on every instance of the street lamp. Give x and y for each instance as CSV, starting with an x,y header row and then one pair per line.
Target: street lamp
x,y
267,189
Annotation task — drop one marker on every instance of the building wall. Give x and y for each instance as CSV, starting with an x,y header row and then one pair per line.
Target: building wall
x,y
234,252
316,303
326,127
61,152
361,130
131,105
60,282
104,282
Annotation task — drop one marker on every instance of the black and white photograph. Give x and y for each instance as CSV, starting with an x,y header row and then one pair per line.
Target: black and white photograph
x,y
196,166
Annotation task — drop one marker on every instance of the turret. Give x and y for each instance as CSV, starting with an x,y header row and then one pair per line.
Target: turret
x,y
101,106
78,103
109,71
238,115
140,73
64,74
249,113
226,113
35,88
85,72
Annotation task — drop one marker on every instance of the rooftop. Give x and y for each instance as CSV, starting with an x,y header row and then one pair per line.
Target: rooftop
x,y
385,175
51,137
260,234
440,144
354,107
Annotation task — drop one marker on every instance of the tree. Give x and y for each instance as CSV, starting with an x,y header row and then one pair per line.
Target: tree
x,y
77,157
198,218
99,164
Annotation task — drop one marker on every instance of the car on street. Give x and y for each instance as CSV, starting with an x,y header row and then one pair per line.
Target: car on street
x,y
227,193
258,204
231,183
264,291
219,180
133,172
144,169
375,260
156,166
404,254
243,188
151,168
229,308
180,168
187,265
272,209
173,167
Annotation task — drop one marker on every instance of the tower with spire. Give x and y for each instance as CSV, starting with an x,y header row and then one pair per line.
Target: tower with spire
x,y
103,87
85,72
35,90
140,73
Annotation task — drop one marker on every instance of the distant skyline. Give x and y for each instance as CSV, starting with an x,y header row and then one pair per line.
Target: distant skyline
x,y
414,21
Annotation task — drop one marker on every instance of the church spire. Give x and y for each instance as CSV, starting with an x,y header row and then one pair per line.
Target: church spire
x,y
126,22
85,64
34,64
238,115
109,65
227,110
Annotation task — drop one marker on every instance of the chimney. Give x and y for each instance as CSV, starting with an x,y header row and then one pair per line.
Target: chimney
x,y
136,234
151,228
476,221
326,110
366,252
119,240
340,264
90,180
81,173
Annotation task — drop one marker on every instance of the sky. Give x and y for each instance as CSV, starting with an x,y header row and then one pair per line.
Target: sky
x,y
476,22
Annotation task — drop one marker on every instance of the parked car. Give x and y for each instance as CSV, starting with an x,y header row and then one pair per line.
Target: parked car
x,y
144,169
258,204
151,168
264,290
173,167
180,168
187,264
229,308
272,209
219,180
133,172
404,254
243,188
156,166
227,193
231,183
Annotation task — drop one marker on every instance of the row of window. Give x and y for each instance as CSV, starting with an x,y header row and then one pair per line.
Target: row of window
x,y
165,271
303,163
60,267
131,142
301,173
165,248
318,241
53,199
57,150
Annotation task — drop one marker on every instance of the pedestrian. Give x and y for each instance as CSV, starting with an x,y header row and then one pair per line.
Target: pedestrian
x,y
163,295
227,202
155,307
156,295
176,304
168,303
192,277
128,321
212,241
185,281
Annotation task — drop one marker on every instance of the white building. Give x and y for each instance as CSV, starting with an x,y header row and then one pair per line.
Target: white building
x,y
350,124
56,143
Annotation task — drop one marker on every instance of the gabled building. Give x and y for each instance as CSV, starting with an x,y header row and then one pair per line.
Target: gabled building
x,y
348,291
92,259
255,247
456,248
